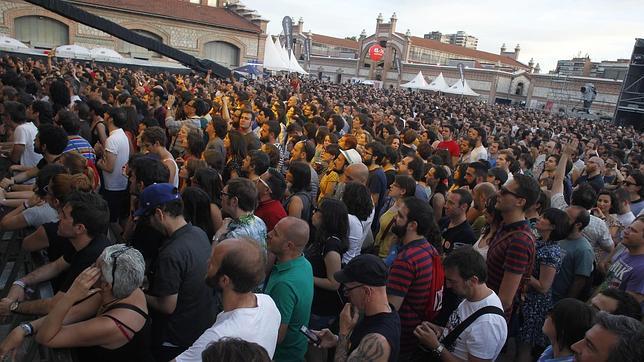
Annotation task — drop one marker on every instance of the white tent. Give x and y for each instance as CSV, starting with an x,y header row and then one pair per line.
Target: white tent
x,y
73,51
106,54
295,66
272,56
417,83
283,54
461,88
7,43
439,84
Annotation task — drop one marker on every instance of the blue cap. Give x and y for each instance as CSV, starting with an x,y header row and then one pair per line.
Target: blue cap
x,y
155,195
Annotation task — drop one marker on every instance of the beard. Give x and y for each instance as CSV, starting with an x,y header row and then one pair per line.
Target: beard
x,y
398,230
368,163
264,139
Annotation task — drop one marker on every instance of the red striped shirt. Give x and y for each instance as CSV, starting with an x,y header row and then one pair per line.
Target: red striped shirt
x,y
410,277
514,254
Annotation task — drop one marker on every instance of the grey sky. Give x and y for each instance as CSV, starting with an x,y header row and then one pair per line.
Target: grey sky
x,y
547,30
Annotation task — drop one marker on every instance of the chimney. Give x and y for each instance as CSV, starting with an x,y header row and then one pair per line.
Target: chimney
x,y
503,49
393,20
379,19
517,49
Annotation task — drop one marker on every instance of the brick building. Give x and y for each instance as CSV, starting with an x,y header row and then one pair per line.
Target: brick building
x,y
229,35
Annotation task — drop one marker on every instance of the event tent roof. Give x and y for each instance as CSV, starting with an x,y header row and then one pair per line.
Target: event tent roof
x,y
417,83
461,88
438,84
73,51
272,56
7,43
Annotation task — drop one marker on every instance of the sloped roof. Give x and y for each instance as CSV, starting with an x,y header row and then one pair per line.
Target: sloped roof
x,y
467,52
179,10
329,40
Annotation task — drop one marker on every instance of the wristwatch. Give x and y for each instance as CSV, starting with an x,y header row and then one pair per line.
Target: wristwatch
x,y
438,350
27,328
14,306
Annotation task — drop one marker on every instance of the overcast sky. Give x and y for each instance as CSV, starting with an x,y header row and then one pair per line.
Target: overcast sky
x,y
547,30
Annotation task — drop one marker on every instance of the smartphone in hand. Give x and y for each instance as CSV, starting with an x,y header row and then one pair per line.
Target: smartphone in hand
x,y
310,335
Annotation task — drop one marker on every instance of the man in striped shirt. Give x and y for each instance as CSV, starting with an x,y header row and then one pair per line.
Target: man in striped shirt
x,y
510,257
71,124
410,276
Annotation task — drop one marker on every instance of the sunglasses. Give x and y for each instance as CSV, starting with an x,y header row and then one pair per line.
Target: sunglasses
x,y
504,191
115,257
265,184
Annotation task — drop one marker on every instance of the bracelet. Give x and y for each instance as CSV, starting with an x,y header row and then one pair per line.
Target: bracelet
x,y
20,283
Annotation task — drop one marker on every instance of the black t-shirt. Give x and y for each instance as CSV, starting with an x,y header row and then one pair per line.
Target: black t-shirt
x,y
325,302
385,324
458,235
147,240
57,247
80,260
180,269
377,183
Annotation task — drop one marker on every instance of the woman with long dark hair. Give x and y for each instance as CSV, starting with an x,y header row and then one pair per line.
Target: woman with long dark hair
x,y
553,225
236,151
493,221
299,203
196,209
209,180
331,221
437,179
357,197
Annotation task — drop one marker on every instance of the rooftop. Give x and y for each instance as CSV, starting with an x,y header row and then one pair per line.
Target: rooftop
x,y
179,10
340,42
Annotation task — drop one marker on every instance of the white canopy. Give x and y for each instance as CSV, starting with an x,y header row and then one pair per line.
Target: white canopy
x,y
7,43
276,58
461,88
417,83
105,54
73,51
295,66
272,56
439,84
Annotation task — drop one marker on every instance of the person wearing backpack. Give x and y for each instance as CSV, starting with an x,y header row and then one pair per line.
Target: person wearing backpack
x,y
411,287
477,329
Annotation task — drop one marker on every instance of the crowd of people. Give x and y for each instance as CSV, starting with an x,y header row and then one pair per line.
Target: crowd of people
x,y
189,218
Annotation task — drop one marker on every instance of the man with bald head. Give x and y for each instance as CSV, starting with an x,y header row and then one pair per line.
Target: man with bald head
x,y
291,286
235,268
357,172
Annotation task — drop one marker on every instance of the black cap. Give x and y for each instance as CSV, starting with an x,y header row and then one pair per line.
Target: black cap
x,y
366,269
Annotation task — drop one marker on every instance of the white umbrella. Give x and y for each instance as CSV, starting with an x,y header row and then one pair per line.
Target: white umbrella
x,y
73,51
7,43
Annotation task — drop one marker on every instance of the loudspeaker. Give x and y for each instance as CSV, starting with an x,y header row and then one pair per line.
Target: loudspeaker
x,y
630,106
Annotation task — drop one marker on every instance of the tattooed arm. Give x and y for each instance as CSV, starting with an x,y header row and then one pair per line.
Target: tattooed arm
x,y
373,348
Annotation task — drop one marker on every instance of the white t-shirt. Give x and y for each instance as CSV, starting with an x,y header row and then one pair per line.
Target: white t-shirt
x,y
485,337
25,134
258,325
117,144
358,231
478,153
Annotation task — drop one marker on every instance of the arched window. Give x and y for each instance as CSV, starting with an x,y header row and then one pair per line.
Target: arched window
x,y
519,90
223,53
41,32
138,52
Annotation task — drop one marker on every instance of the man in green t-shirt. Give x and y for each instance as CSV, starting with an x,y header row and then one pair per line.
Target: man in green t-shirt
x,y
291,286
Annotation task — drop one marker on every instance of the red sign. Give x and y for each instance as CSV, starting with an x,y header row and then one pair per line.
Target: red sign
x,y
376,52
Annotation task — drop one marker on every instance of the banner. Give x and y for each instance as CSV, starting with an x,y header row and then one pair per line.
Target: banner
x,y
307,49
399,65
287,26
461,66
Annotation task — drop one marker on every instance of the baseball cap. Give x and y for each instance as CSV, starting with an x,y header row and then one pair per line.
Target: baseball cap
x,y
155,195
352,156
598,160
366,269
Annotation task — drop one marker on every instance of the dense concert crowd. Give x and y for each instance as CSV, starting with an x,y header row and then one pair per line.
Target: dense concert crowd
x,y
191,218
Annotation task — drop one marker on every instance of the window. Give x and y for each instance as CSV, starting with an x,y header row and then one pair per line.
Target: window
x,y
41,32
223,53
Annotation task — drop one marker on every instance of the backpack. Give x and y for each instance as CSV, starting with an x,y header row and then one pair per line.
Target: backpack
x,y
436,289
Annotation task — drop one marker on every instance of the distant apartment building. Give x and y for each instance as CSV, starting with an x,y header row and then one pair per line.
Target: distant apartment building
x,y
584,67
460,38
